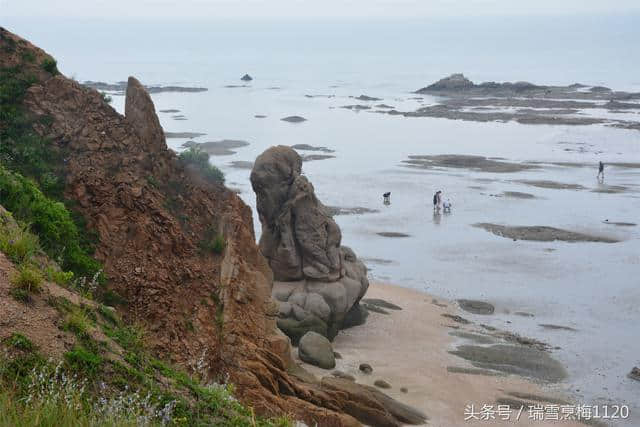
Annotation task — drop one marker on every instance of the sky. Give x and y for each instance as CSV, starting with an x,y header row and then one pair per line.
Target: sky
x,y
283,9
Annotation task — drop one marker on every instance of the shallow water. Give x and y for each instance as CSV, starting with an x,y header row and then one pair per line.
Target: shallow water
x,y
591,287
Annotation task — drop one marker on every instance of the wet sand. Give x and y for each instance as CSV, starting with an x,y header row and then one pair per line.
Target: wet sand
x,y
409,348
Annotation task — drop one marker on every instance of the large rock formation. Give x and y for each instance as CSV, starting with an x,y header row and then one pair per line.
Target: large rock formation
x,y
317,281
140,111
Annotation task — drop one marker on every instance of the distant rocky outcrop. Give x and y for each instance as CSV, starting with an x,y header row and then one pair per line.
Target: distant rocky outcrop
x,y
121,87
453,82
459,83
294,119
246,78
318,282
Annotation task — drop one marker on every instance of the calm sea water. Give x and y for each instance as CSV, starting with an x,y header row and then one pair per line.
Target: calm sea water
x,y
591,287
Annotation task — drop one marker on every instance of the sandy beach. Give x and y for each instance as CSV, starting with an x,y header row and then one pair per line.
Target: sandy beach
x,y
408,348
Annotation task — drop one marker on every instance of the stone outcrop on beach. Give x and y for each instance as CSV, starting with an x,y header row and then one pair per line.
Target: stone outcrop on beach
x,y
316,350
246,78
318,282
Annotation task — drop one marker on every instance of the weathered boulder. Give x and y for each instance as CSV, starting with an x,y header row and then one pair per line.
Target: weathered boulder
x,y
317,280
295,329
366,368
381,384
246,78
140,112
316,350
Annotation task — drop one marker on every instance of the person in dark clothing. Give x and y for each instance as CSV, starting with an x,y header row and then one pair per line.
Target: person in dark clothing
x,y
601,170
437,200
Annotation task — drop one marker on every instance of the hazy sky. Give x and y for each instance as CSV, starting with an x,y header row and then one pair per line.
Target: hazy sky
x,y
211,9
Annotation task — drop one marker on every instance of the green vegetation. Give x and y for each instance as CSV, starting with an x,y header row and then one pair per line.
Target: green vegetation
x,y
31,184
78,322
89,389
200,159
106,98
17,243
50,65
28,56
20,342
81,360
49,220
26,281
62,278
212,242
22,149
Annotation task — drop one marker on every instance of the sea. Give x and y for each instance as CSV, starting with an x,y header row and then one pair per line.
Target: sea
x,y
593,289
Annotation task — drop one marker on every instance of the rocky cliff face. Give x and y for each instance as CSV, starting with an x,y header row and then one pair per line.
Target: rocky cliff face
x,y
318,282
154,219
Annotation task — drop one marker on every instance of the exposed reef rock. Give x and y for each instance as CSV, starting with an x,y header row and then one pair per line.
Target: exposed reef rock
x,y
453,82
307,147
294,119
217,148
317,281
122,87
542,233
367,98
463,161
525,103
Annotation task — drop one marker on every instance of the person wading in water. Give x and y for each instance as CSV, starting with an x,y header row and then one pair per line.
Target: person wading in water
x,y
601,170
437,200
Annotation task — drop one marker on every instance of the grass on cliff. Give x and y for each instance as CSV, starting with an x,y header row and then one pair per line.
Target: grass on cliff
x,y
88,388
50,221
31,181
200,160
101,381
21,148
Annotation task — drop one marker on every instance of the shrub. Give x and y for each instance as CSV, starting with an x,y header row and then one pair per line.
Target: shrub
x,y
109,314
50,220
17,243
20,342
218,244
27,281
78,322
106,98
212,241
200,159
84,361
50,65
30,176
28,56
62,278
